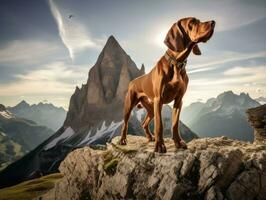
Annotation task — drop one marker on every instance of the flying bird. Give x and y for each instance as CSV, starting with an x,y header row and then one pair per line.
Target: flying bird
x,y
70,16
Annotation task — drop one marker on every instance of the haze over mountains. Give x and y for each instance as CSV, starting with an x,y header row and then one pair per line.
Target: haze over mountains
x,y
43,113
261,100
223,115
23,131
94,116
18,136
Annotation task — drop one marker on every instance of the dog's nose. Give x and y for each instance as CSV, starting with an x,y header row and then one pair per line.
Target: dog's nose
x,y
212,23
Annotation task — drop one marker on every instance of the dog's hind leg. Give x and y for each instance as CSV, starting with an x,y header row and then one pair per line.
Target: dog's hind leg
x,y
145,125
148,118
130,101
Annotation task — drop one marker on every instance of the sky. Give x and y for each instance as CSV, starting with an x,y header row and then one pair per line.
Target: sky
x,y
44,54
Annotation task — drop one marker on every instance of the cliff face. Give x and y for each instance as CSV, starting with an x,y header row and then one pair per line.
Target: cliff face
x,y
211,168
257,119
105,89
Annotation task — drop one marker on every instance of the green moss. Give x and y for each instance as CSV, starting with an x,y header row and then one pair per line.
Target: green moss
x,y
30,189
124,149
110,167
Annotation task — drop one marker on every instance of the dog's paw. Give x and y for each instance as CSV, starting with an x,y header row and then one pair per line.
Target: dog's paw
x,y
160,147
151,138
123,141
181,144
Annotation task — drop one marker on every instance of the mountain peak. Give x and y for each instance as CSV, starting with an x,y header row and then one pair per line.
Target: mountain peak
x,y
106,87
23,103
111,39
2,107
243,94
142,69
228,93
112,47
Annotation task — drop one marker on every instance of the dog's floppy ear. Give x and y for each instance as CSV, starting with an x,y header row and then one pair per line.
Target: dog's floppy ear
x,y
196,50
174,38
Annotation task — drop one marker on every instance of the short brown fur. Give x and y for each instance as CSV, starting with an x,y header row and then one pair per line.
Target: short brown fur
x,y
165,83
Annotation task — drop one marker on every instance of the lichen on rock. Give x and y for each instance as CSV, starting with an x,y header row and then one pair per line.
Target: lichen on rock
x,y
211,168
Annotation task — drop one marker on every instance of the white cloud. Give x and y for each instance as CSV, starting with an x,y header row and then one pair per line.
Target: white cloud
x,y
239,71
250,79
225,58
73,34
27,51
51,79
200,70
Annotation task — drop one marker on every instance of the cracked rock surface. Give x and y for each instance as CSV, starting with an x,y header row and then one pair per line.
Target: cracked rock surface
x,y
211,168
257,119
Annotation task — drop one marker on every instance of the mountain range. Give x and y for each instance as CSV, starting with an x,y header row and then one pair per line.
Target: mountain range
x,y
45,114
224,115
18,136
94,117
9,150
261,100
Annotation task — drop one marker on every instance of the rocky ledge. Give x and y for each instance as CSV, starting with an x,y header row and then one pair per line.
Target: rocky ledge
x,y
257,119
211,168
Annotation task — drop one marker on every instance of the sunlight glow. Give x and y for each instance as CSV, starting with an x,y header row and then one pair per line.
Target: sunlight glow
x,y
159,38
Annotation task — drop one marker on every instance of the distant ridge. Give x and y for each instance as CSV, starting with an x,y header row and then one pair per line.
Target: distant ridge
x,y
45,114
223,115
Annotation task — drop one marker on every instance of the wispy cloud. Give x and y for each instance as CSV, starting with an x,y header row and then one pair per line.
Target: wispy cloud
x,y
229,57
200,70
55,78
27,51
73,34
235,76
249,79
212,63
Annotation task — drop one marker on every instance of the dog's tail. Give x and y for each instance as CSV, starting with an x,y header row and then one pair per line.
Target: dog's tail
x,y
139,106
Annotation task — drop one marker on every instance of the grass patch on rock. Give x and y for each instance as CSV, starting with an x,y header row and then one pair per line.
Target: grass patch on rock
x,y
30,189
124,149
110,167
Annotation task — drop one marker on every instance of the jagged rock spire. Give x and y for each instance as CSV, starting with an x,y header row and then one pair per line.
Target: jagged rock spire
x,y
105,89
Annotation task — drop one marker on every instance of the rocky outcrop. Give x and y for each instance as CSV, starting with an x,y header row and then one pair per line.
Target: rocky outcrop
x,y
257,119
105,89
211,168
2,107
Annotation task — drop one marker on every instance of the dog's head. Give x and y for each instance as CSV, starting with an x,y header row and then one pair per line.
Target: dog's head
x,y
188,30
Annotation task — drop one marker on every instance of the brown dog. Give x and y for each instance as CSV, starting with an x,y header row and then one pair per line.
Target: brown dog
x,y
167,81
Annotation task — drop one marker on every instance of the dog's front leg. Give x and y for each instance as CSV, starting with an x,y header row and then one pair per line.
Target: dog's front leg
x,y
158,126
179,143
158,104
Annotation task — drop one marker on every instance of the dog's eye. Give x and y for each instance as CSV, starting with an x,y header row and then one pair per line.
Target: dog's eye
x,y
192,23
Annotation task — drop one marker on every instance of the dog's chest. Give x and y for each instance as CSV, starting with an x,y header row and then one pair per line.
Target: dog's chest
x,y
175,87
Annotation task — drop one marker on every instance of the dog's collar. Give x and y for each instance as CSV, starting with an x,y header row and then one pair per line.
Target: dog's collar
x,y
173,62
